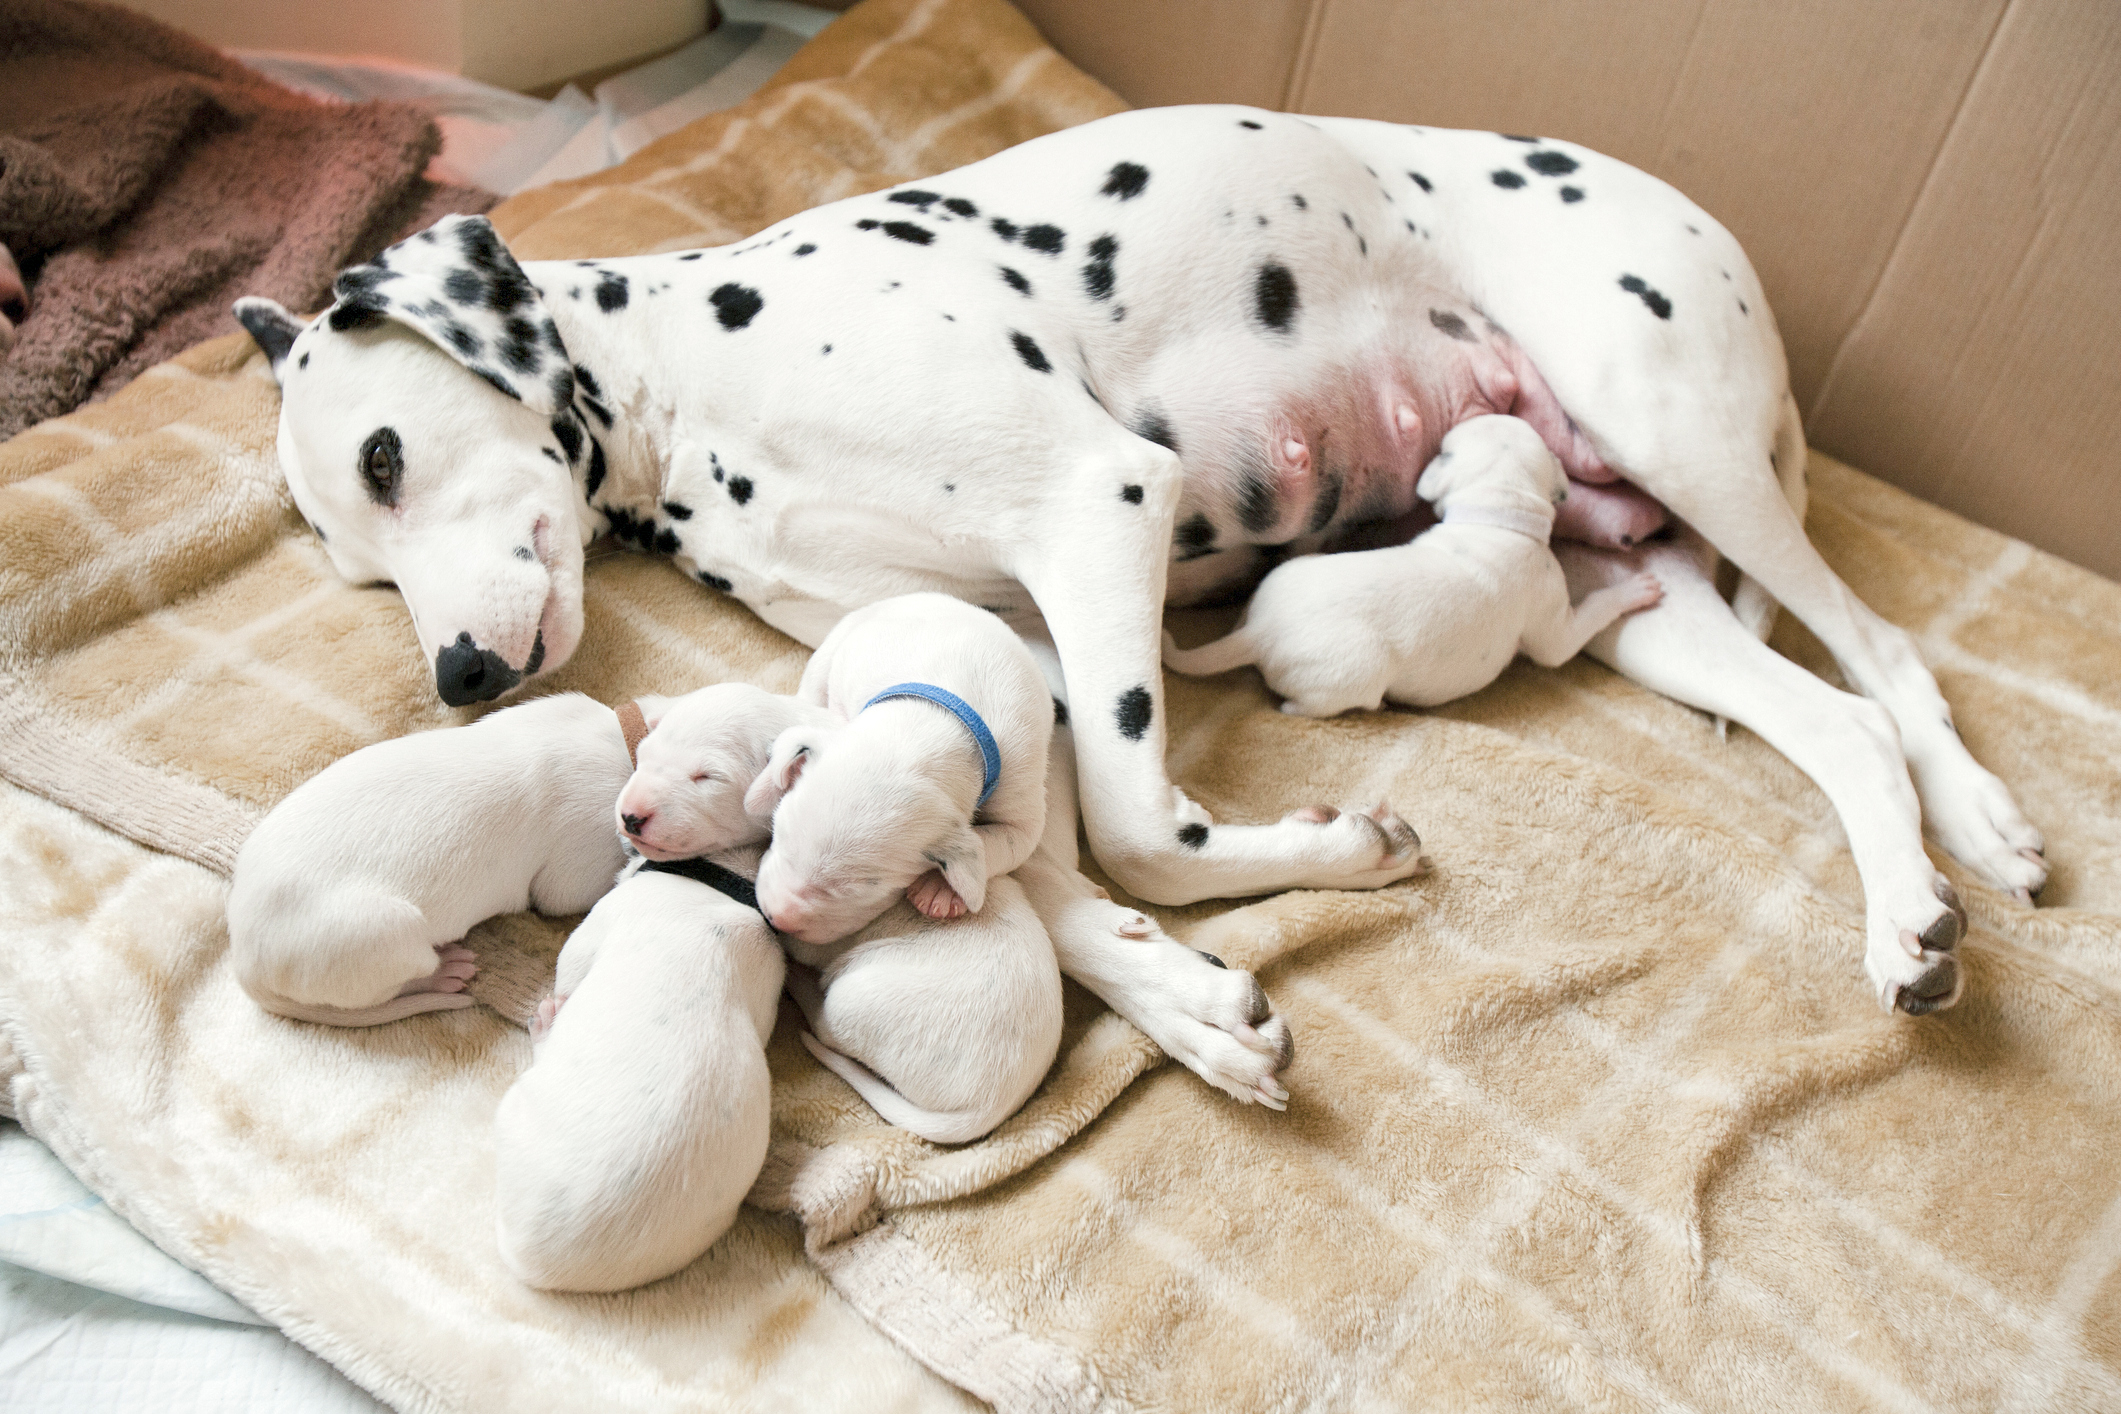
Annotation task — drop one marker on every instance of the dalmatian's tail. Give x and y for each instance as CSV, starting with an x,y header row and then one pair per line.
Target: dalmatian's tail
x,y
937,1127
1234,650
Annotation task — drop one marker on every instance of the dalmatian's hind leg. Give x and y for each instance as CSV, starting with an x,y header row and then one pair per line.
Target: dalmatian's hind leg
x,y
1691,647
1097,573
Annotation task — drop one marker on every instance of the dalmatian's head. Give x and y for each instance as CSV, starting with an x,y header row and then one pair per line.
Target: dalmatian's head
x,y
1493,453
421,418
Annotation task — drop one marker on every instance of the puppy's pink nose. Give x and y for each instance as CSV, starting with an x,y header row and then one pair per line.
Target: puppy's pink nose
x,y
636,823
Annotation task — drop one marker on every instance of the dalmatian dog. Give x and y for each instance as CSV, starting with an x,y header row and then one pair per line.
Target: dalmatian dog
x,y
1120,366
1437,618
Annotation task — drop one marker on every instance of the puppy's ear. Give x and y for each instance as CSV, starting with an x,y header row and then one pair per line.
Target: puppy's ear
x,y
1438,478
962,856
652,708
273,327
791,749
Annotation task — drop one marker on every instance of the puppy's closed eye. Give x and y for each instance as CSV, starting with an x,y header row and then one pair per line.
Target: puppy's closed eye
x,y
699,776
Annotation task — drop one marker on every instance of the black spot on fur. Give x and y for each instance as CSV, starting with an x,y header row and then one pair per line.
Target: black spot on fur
x,y
1328,503
357,312
736,305
1572,193
1659,305
1551,163
1194,835
740,489
716,463
569,437
463,286
1046,240
1005,229
1098,275
1028,350
552,455
666,542
1512,137
588,381
805,248
1258,508
302,362
1421,181
363,280
519,345
1248,123
922,199
1151,425
1016,281
1125,181
561,382
1506,179
500,384
715,581
1452,326
1296,199
961,207
598,410
1131,494
677,511
1742,309
1274,298
1136,709
692,255
1692,229
1195,537
595,478
1060,713
908,232
466,343
612,291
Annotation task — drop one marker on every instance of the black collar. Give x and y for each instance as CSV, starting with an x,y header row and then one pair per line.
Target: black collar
x,y
714,876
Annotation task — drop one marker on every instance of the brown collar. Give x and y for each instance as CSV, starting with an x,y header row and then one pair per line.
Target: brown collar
x,y
633,726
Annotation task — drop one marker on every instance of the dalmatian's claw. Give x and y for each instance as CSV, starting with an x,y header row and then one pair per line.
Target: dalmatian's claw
x,y
455,966
1137,926
1400,840
1936,988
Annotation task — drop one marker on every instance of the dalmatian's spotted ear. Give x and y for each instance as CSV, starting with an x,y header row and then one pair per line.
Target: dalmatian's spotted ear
x,y
457,284
272,326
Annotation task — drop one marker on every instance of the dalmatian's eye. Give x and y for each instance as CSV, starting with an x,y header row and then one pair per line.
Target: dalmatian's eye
x,y
382,466
700,776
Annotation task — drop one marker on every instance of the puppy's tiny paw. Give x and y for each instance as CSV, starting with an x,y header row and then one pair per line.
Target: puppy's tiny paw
x,y
933,896
1646,591
541,1020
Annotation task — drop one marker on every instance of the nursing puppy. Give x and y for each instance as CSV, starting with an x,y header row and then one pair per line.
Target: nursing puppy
x,y
945,1026
685,798
622,1153
350,898
1428,622
901,793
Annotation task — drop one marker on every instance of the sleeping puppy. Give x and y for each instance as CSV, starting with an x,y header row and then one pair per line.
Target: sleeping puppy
x,y
945,1026
350,898
1430,621
930,780
622,1153
701,754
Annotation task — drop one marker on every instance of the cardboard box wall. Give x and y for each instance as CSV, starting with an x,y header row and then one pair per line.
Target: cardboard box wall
x,y
1930,189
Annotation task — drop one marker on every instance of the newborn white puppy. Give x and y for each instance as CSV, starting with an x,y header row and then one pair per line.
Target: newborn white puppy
x,y
945,1026
622,1153
350,896
938,784
1428,622
701,754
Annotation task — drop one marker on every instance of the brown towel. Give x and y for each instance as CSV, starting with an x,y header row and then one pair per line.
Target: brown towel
x,y
147,180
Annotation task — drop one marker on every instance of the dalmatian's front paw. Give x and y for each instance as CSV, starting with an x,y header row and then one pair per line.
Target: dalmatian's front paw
x,y
1974,816
1916,969
933,896
1210,1018
1385,847
455,966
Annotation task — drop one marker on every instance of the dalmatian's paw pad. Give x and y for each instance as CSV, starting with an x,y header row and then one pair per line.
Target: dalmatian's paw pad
x,y
934,897
541,1020
454,969
1933,989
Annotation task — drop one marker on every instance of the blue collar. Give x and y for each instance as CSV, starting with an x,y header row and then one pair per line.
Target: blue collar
x,y
990,755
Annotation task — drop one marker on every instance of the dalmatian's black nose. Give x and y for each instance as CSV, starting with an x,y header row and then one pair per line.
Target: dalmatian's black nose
x,y
466,673
633,823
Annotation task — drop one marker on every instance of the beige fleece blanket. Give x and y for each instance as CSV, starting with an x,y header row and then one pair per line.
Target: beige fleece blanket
x,y
1598,1114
